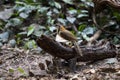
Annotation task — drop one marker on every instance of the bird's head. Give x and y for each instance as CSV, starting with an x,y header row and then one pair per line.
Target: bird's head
x,y
60,27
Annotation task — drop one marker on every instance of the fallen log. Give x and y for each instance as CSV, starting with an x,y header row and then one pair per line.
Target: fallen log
x,y
91,53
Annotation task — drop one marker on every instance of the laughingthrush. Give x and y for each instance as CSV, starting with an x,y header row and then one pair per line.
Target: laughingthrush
x,y
64,33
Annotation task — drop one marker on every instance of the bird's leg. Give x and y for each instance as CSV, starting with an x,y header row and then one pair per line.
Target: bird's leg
x,y
77,48
72,64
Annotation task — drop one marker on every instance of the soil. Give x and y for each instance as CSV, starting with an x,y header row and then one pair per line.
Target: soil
x,y
20,64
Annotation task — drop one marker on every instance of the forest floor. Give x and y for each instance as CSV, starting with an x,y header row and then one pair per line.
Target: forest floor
x,y
20,64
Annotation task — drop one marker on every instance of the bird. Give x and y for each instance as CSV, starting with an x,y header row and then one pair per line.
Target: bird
x,y
67,35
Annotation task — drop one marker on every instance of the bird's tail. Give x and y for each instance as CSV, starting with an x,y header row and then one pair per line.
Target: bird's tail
x,y
77,48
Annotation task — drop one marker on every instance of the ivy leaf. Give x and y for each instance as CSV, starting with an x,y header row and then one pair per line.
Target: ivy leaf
x,y
84,11
30,44
81,27
88,30
82,15
20,9
72,11
43,9
13,22
52,28
55,11
49,13
71,19
6,14
57,5
30,30
68,1
23,15
85,36
61,20
30,1
39,30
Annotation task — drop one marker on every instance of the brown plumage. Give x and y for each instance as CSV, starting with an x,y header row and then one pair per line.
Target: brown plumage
x,y
70,37
67,34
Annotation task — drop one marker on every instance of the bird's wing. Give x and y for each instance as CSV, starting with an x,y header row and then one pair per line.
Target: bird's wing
x,y
68,35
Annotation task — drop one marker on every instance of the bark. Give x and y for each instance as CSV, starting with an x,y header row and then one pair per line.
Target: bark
x,y
90,53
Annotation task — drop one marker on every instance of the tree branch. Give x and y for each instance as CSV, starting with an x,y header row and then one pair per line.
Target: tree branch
x,y
90,53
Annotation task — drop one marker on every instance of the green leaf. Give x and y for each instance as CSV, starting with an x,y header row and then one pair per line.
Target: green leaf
x,y
30,30
21,9
61,20
57,5
43,9
20,3
21,70
55,10
88,30
11,70
50,20
85,36
49,13
30,44
68,1
23,15
84,11
82,15
14,22
51,2
117,14
29,1
39,30
6,14
116,40
71,19
72,11
82,27
52,28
